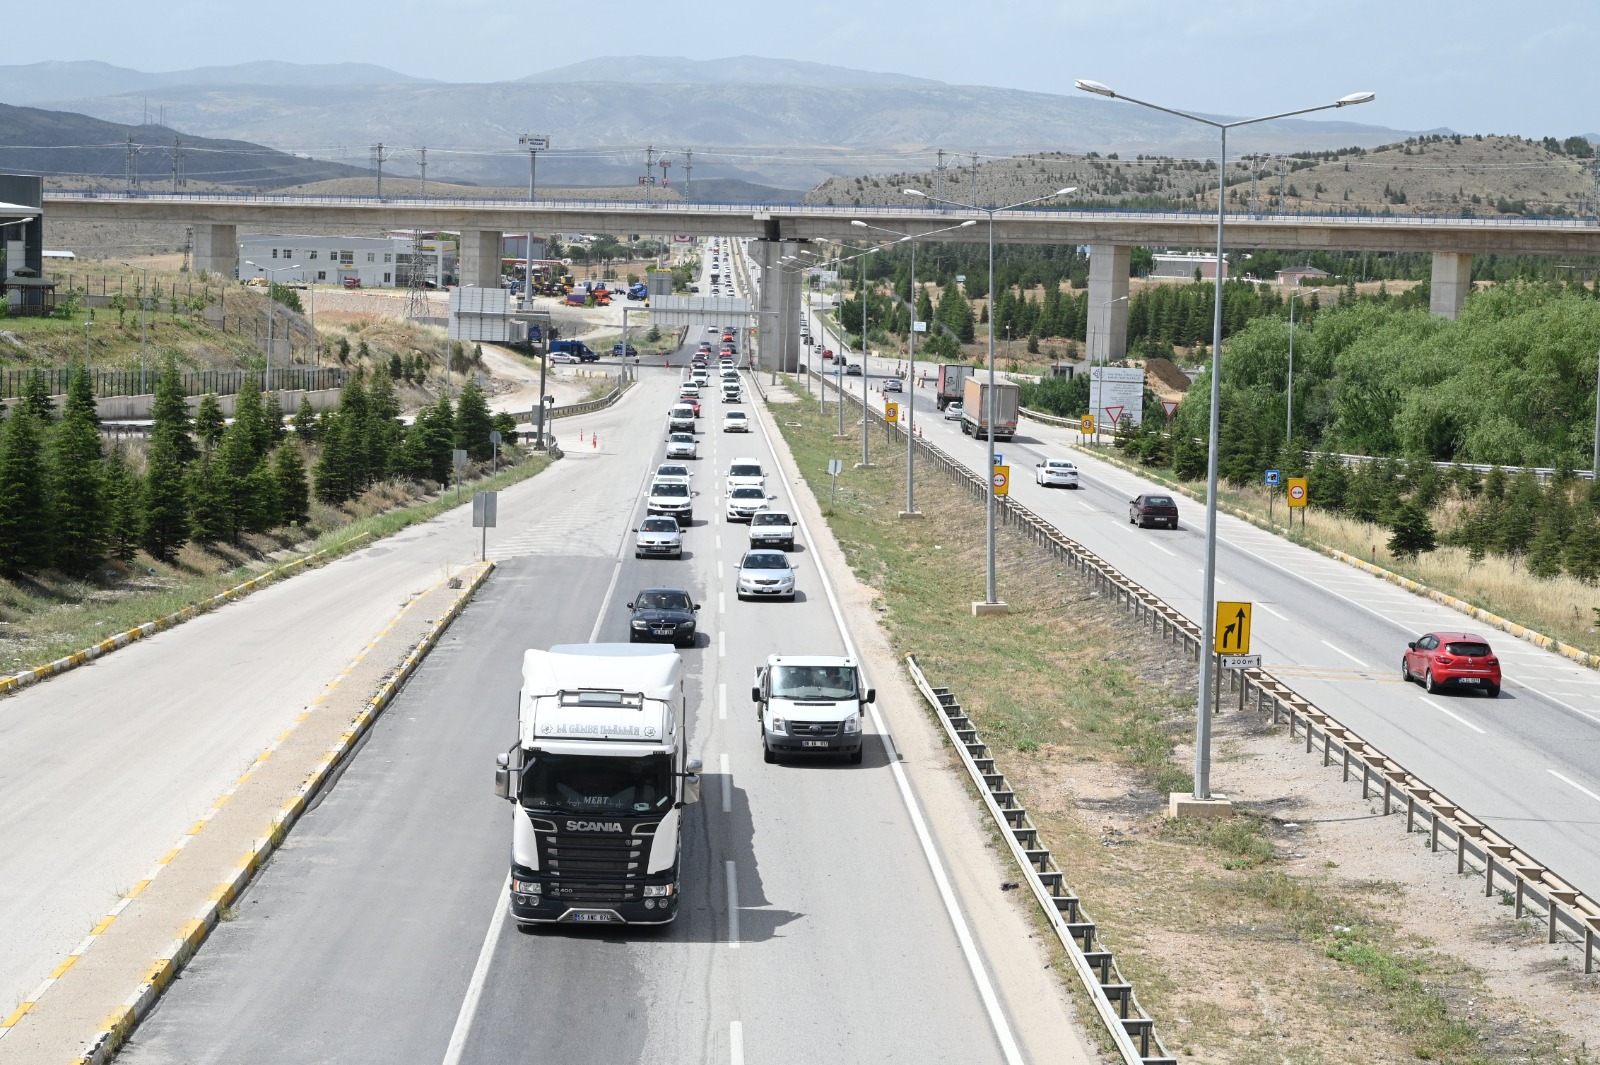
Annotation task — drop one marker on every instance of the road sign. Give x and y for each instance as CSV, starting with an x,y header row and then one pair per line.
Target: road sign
x,y
1297,492
458,459
484,506
891,412
1169,405
1274,478
1231,634
1241,661
835,467
999,460
1002,480
1120,387
1114,414
1086,424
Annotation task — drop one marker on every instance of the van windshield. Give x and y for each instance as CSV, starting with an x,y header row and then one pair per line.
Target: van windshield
x,y
744,469
678,491
581,783
813,682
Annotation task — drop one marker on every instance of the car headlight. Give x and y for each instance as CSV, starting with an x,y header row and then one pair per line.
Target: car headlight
x,y
527,887
852,724
641,624
778,725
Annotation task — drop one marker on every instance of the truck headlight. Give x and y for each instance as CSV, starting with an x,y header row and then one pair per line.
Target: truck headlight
x,y
657,890
852,724
527,887
778,725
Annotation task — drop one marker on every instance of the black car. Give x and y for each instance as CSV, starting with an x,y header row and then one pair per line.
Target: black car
x,y
662,614
1153,508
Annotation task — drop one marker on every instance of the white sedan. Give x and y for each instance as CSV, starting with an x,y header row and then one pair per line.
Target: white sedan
x,y
682,446
735,422
1056,472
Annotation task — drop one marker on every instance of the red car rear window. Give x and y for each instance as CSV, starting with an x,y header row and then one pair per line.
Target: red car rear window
x,y
1469,650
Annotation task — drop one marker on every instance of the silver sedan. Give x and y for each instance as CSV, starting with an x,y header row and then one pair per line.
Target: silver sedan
x,y
658,538
765,574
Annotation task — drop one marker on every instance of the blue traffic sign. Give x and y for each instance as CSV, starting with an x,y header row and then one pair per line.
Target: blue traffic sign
x,y
1274,477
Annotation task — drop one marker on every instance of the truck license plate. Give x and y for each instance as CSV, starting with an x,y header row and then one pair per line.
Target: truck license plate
x,y
604,918
813,743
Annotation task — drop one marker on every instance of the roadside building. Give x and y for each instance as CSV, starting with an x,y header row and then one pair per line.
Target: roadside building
x,y
1183,265
1299,275
373,262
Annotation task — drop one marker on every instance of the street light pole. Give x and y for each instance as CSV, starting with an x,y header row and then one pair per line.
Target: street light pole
x,y
1202,752
144,329
990,604
1288,428
269,271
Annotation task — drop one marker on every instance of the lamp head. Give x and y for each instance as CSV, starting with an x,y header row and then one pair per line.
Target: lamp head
x,y
1356,98
858,222
1066,191
1093,86
915,192
968,222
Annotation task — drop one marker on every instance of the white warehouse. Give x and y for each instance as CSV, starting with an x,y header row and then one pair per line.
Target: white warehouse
x,y
375,262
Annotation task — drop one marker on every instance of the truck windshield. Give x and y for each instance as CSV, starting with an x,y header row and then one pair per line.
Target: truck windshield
x,y
590,784
813,682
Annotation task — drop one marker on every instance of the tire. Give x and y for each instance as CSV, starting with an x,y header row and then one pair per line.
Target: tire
x,y
1405,670
855,756
1493,691
767,754
1429,683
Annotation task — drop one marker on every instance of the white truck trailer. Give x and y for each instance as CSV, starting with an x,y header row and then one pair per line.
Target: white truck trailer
x,y
598,779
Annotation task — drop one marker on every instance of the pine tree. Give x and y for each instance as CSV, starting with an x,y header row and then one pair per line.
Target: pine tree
x,y
332,473
272,411
1520,516
440,440
170,414
1544,554
1582,554
24,506
305,422
264,507
472,422
36,397
383,430
119,490
1411,531
208,500
289,471
250,428
209,420
73,481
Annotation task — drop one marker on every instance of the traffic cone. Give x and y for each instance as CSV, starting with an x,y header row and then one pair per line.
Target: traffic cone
x,y
580,436
594,440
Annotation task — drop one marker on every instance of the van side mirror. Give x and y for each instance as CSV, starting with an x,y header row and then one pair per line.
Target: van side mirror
x,y
755,694
872,695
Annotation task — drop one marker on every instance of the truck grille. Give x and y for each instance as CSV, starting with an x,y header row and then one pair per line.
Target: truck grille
x,y
603,856
594,893
814,729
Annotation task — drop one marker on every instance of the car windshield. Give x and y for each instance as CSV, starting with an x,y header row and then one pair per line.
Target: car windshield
x,y
764,560
1158,501
669,490
662,600
683,412
671,470
735,416
664,525
813,682
1469,650
744,470
584,783
683,438
748,493
772,517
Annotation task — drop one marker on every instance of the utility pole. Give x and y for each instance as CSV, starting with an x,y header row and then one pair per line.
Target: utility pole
x,y
938,180
1253,159
128,176
974,180
1282,203
378,157
177,160
649,161
422,154
188,246
688,171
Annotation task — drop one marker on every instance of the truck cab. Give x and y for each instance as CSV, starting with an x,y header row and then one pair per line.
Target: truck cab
x,y
810,704
598,780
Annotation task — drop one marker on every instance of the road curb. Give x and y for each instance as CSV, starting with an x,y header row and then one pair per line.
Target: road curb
x,y
114,1030
15,681
1464,606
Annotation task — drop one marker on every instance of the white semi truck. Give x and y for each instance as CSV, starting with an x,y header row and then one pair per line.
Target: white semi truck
x,y
810,704
598,779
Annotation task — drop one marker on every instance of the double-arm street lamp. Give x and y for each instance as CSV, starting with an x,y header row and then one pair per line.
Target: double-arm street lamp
x,y
269,271
1202,745
909,424
990,604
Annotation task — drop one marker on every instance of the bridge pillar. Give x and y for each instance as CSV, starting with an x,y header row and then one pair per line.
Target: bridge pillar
x,y
1452,282
216,250
1107,335
480,258
779,307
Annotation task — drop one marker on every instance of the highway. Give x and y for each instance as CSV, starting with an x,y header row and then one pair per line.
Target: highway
x,y
1524,762
812,927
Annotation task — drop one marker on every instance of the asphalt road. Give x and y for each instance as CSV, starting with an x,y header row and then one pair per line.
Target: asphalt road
x,y
812,928
1524,762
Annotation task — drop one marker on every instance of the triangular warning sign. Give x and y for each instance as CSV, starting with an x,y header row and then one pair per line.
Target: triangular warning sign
x,y
1169,405
1114,413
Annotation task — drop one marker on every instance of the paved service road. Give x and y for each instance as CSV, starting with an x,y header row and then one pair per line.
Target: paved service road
x,y
1521,762
811,928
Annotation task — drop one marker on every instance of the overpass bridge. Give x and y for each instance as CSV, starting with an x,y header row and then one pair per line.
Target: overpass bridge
x,y
776,229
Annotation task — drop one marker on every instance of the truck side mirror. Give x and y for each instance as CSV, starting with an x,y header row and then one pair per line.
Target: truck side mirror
x,y
872,695
691,782
503,775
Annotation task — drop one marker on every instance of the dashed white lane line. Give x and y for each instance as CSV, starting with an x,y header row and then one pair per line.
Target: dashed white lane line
x,y
1163,550
1086,506
1347,654
732,873
722,602
1451,713
1573,784
1271,611
735,1043
727,784
719,571
719,541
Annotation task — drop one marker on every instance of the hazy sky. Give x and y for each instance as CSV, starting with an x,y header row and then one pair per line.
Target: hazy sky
x,y
1488,66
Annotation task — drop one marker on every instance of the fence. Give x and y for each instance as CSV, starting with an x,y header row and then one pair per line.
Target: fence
x,y
109,383
1530,885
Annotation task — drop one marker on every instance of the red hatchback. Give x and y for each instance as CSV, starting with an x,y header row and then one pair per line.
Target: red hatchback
x,y
1452,660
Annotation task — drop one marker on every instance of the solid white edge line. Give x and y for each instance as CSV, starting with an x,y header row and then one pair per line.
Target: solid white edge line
x,y
1451,713
480,973
969,949
732,872
727,784
735,1043
1347,654
1573,783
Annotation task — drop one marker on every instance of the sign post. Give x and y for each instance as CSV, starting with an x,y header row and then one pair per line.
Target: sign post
x,y
835,467
1232,629
458,462
1272,478
891,417
1086,425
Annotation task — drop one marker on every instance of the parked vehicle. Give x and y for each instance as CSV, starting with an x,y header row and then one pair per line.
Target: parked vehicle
x,y
1443,660
638,291
662,614
631,351
975,409
764,574
1153,508
583,785
1053,472
658,537
575,347
810,704
952,383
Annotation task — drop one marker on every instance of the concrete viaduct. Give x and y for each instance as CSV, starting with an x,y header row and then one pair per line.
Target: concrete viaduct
x,y
776,231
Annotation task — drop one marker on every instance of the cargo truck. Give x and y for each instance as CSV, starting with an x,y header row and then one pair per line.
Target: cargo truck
x,y
975,409
952,379
598,779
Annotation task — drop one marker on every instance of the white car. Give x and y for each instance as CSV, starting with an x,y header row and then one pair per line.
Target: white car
x,y
772,528
671,499
562,356
681,419
658,537
744,502
953,412
732,393
673,469
746,473
1053,472
735,422
765,574
682,446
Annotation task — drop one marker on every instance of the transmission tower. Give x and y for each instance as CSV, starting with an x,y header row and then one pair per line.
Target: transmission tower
x,y
188,246
938,177
379,155
177,162
130,170
417,302
974,180
688,171
422,153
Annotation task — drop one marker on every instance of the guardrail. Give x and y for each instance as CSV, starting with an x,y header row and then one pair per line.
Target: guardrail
x,y
1530,884
1124,1019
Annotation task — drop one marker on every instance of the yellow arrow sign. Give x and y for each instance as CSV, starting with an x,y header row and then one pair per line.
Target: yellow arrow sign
x,y
1231,632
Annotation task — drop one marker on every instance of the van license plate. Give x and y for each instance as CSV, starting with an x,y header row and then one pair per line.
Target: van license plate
x,y
813,743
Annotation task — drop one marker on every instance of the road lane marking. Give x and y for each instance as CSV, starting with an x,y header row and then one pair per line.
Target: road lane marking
x,y
719,541
727,785
480,974
736,1043
1347,654
605,603
1451,713
722,702
1086,506
1163,550
1271,611
732,873
719,570
722,602
1573,783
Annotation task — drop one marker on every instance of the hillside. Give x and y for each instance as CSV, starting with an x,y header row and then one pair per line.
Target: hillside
x,y
1430,174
